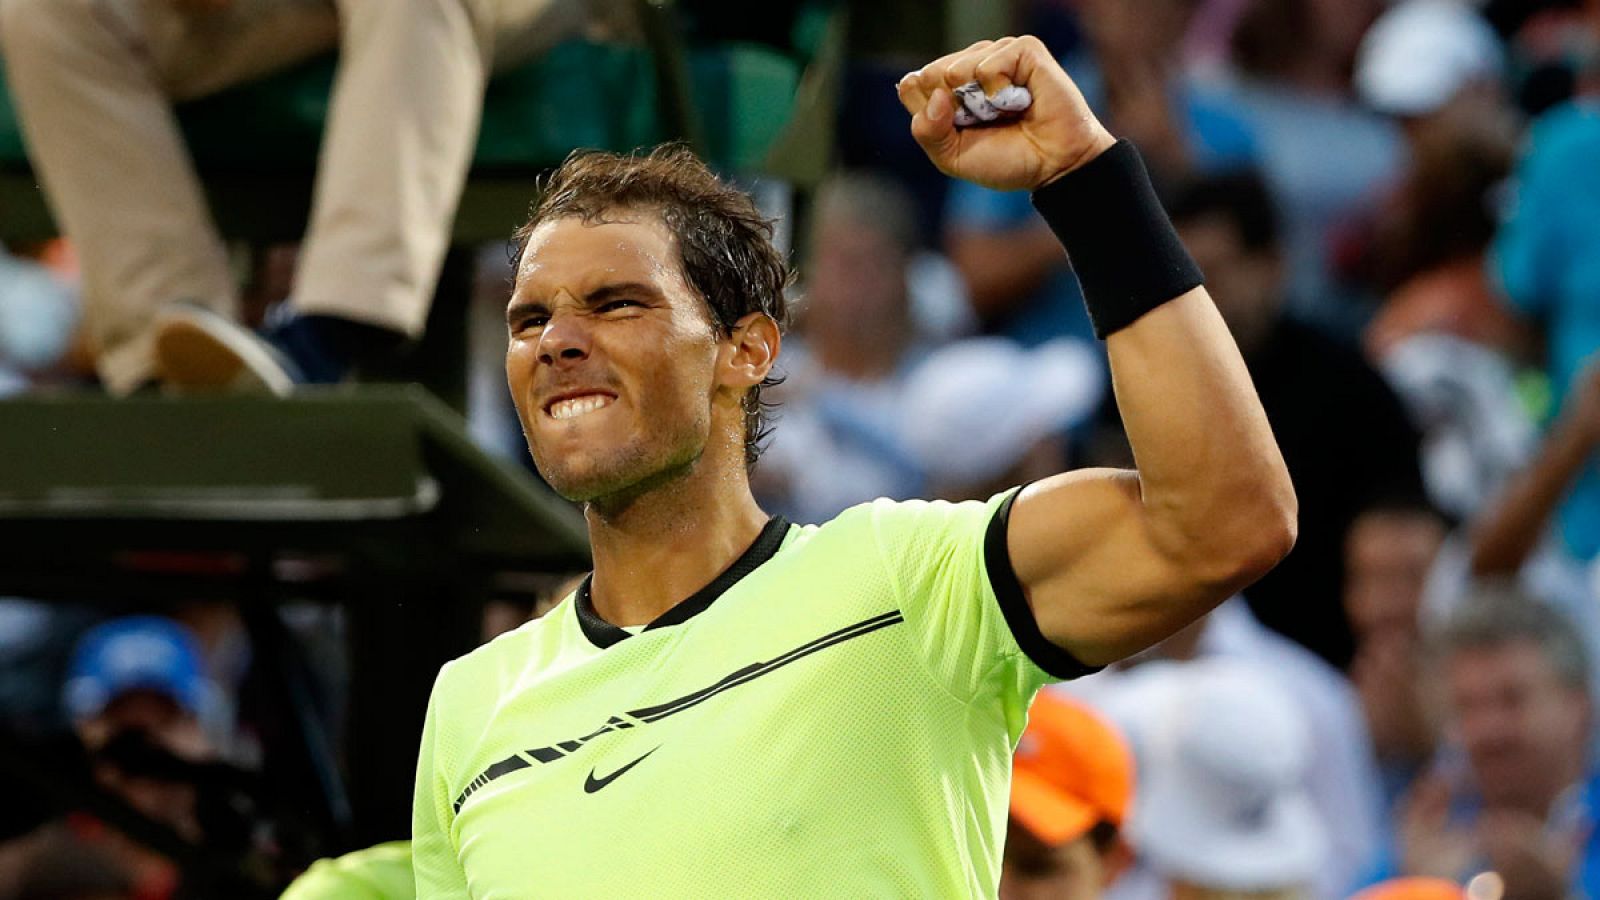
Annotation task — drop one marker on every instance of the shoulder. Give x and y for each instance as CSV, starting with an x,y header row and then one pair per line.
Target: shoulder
x,y
1567,128
501,658
885,519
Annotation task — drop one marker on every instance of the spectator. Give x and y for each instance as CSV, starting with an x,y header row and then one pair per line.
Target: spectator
x,y
1134,73
1343,433
1545,260
1011,408
1435,66
1390,552
1019,279
1341,777
1290,81
1071,786
136,696
1515,536
38,320
1222,809
845,374
1515,680
94,86
1442,338
139,674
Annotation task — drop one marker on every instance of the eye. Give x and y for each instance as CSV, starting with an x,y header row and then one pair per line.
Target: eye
x,y
619,303
530,322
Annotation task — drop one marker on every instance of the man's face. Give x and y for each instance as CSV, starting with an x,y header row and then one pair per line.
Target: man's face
x,y
855,274
1388,556
1149,30
613,357
1034,870
1246,285
1524,731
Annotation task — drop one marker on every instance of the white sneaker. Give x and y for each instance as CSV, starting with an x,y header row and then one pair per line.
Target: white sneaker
x,y
199,350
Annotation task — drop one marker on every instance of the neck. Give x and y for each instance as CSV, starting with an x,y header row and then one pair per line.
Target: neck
x,y
660,547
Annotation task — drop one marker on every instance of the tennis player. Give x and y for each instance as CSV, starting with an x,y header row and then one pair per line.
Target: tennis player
x,y
732,705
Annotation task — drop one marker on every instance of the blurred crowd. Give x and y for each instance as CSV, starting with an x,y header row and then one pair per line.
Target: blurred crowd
x,y
1397,208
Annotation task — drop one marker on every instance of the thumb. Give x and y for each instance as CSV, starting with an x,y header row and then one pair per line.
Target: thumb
x,y
935,127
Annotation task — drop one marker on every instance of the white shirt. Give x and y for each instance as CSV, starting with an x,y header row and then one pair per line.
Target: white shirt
x,y
1343,777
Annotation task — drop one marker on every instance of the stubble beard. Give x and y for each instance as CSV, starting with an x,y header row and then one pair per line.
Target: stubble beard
x,y
618,479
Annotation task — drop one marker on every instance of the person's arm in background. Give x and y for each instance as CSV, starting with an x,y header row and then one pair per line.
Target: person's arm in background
x,y
1110,561
1509,528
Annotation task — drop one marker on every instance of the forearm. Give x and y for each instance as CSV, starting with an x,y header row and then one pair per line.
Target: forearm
x,y
1213,486
1511,527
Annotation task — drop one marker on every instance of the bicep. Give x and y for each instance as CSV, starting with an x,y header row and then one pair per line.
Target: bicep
x,y
1095,577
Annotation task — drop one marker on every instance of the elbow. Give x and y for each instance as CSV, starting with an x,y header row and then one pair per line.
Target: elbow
x,y
1274,532
1260,534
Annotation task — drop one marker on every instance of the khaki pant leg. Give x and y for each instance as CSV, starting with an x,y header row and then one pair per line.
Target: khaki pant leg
x,y
92,81
401,132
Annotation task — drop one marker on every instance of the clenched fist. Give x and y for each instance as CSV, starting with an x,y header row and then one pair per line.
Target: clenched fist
x,y
1055,135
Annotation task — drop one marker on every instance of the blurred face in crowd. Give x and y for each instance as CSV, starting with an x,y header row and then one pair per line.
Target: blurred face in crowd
x,y
856,271
159,719
150,713
1524,730
855,285
1388,555
614,362
1246,284
1034,870
1153,29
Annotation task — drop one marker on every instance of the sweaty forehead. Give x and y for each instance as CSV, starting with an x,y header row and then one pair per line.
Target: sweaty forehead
x,y
573,255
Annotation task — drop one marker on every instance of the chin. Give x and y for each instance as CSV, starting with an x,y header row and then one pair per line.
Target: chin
x,y
613,481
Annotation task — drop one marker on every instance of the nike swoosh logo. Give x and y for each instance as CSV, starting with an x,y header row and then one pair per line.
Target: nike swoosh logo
x,y
592,784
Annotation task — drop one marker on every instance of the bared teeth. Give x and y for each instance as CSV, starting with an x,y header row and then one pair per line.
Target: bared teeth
x,y
577,406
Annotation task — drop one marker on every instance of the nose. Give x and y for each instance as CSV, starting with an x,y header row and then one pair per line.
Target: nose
x,y
565,340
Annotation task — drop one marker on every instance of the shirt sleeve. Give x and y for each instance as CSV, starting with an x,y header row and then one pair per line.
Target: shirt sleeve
x,y
437,869
951,570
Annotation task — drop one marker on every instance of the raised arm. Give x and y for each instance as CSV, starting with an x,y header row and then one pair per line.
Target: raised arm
x,y
1114,561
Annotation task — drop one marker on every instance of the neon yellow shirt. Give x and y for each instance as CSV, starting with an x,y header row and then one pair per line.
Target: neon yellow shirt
x,y
376,873
832,716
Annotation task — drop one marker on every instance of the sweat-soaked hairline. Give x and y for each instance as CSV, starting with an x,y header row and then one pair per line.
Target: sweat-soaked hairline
x,y
758,412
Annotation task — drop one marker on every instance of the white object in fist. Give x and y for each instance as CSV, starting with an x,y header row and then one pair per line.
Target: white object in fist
x,y
974,108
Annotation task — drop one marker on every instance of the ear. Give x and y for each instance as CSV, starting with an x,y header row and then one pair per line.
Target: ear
x,y
747,356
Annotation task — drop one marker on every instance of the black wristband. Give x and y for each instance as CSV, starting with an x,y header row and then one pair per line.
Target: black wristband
x,y
1125,252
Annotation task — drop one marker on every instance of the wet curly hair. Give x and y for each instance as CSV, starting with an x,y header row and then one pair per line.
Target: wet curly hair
x,y
724,242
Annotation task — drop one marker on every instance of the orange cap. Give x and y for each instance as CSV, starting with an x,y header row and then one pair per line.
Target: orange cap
x,y
1072,771
1413,889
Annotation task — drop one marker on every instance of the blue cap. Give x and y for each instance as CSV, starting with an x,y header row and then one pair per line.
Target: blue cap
x,y
134,653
